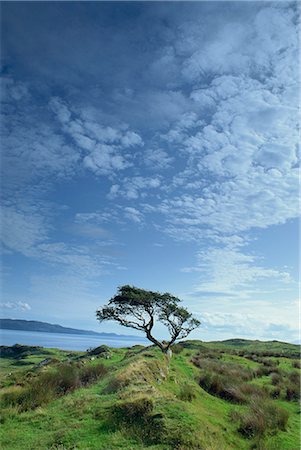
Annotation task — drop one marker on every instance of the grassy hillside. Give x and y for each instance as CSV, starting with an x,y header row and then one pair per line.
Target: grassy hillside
x,y
229,395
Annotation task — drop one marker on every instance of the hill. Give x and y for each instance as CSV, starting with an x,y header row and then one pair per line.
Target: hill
x,y
211,397
34,325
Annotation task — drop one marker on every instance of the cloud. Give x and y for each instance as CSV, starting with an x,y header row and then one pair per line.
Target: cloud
x,y
229,325
135,187
229,270
133,214
16,306
21,230
157,159
102,146
89,230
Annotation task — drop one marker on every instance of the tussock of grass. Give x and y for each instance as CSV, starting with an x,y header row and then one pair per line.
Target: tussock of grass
x,y
187,392
139,372
296,364
229,388
226,369
51,384
261,417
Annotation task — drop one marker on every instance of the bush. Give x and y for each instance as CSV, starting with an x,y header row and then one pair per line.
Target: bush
x,y
137,417
261,417
46,386
275,378
177,348
292,392
89,374
275,392
187,393
230,370
133,411
296,364
266,370
294,377
230,389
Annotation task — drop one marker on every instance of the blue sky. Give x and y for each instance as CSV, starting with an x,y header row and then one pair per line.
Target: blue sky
x,y
152,144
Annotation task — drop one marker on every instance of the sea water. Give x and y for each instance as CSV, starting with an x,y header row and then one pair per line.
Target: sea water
x,y
66,341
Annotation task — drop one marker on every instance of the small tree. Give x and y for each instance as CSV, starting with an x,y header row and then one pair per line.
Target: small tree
x,y
137,308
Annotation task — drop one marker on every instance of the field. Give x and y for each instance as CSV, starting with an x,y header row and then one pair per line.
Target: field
x,y
233,394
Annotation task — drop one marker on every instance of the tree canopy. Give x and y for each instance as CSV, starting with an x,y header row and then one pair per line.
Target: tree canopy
x,y
139,309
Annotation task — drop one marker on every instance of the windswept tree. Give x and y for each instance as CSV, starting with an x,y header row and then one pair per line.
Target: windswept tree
x,y
139,309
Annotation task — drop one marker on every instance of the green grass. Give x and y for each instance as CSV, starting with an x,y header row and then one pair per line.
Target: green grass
x,y
140,403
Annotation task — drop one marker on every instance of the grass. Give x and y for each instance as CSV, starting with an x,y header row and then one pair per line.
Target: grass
x,y
137,402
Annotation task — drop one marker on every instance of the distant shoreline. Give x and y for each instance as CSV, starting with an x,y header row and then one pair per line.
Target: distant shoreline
x,y
44,327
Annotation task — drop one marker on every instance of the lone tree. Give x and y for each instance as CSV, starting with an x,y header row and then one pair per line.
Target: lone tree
x,y
137,308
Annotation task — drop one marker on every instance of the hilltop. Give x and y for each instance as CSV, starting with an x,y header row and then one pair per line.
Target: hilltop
x,y
213,396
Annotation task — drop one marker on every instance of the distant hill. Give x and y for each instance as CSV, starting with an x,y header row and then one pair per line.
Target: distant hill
x,y
34,325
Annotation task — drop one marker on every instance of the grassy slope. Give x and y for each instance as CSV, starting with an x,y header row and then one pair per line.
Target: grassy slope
x,y
83,419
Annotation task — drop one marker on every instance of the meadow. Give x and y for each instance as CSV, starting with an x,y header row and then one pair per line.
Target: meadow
x,y
234,394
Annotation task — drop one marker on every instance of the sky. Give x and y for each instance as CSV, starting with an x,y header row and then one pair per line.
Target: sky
x,y
151,144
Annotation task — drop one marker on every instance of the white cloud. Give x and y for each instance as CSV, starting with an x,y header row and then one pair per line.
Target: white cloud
x,y
133,214
16,306
104,160
229,270
157,159
21,230
135,187
248,325
103,147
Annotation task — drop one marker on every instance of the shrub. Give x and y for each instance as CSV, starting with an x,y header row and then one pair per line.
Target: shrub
x,y
292,392
177,348
137,416
230,370
275,378
261,417
229,388
89,374
187,393
51,384
275,392
294,377
133,411
266,370
296,364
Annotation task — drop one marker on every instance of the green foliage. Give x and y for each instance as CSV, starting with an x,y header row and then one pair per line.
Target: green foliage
x,y
137,308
